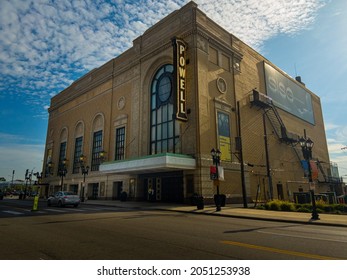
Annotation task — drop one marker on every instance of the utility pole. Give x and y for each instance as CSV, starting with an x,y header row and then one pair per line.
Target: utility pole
x,y
243,183
268,168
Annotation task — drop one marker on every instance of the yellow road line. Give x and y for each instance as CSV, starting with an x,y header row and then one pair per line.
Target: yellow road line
x,y
280,251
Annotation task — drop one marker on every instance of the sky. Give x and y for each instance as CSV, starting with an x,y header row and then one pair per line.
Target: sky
x,y
45,45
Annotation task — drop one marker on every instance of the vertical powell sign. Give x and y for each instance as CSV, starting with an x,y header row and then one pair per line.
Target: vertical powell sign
x,y
179,48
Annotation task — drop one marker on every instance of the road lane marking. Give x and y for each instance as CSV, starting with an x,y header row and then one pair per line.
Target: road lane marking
x,y
13,212
279,251
302,237
56,210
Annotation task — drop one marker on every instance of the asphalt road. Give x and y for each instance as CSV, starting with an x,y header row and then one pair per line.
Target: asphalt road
x,y
20,208
110,234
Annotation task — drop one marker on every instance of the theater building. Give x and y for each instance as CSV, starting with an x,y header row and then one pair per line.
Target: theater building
x,y
145,122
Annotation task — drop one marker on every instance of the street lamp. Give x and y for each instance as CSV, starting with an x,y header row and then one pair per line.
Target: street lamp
x,y
84,170
62,170
216,160
306,146
38,177
49,168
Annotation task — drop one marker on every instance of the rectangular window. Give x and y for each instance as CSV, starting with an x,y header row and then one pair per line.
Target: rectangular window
x,y
120,143
77,154
49,166
97,148
62,154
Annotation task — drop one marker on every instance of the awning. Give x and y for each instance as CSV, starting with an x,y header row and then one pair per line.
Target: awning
x,y
150,164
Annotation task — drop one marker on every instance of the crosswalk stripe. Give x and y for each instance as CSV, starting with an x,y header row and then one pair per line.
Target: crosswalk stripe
x,y
13,212
46,210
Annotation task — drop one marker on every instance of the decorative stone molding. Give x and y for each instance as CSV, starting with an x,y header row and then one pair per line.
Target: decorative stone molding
x,y
121,103
221,85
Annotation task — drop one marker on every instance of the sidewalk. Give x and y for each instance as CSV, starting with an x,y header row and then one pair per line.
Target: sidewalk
x,y
231,210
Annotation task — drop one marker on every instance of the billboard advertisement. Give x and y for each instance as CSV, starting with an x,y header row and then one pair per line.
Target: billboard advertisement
x,y
288,95
224,136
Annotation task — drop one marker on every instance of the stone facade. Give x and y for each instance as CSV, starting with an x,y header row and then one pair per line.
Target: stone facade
x,y
221,73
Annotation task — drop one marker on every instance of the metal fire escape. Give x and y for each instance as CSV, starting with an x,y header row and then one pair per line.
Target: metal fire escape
x,y
264,102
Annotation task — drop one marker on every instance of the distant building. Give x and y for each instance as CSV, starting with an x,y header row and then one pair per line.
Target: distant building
x,y
147,120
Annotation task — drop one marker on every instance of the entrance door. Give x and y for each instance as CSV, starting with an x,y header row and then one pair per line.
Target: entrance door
x,y
95,190
280,192
166,187
117,190
172,189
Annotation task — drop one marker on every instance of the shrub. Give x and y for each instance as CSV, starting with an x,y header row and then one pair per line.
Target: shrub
x,y
287,206
261,207
321,204
303,210
275,205
339,207
327,208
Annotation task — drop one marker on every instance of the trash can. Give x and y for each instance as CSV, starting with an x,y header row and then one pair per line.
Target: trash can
x,y
123,196
222,198
200,203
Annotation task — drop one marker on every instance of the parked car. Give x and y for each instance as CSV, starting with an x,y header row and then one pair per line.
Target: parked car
x,y
63,198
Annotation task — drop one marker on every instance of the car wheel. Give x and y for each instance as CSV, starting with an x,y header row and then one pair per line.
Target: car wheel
x,y
75,205
60,204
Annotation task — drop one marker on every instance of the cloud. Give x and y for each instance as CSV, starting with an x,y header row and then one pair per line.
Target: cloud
x,y
45,45
336,138
19,158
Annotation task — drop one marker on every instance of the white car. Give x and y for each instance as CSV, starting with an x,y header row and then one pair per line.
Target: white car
x,y
64,198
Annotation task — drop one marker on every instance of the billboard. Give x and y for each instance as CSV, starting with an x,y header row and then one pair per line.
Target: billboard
x,y
224,136
288,95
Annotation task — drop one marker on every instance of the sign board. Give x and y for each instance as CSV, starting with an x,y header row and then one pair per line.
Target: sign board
x,y
179,49
288,95
216,176
314,170
213,172
224,136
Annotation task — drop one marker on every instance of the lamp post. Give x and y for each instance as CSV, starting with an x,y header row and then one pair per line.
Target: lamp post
x,y
62,170
38,177
216,161
49,168
84,170
306,146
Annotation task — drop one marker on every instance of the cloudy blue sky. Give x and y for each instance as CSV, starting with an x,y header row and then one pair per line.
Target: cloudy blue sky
x,y
45,45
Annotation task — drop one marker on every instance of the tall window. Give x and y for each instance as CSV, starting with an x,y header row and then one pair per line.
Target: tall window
x,y
77,154
164,134
97,148
120,143
62,154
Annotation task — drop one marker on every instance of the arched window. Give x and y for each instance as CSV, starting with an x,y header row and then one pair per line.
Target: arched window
x,y
164,132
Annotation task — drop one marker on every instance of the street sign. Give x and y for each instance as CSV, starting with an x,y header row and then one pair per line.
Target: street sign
x,y
213,173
